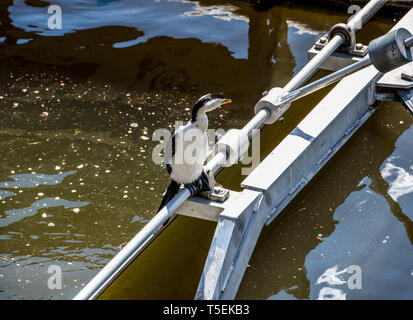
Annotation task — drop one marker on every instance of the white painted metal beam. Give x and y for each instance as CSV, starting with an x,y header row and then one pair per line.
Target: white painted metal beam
x,y
202,208
235,236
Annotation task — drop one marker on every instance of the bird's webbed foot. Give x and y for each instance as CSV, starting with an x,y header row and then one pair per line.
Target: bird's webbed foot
x,y
203,183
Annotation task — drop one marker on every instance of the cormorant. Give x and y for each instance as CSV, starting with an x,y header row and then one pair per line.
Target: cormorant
x,y
187,150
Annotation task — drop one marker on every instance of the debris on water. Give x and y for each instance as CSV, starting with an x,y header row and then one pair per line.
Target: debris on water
x,y
50,224
122,245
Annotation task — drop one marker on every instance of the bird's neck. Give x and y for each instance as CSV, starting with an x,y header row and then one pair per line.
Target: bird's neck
x,y
201,121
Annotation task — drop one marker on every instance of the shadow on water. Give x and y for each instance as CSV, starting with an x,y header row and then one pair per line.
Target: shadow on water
x,y
86,99
161,271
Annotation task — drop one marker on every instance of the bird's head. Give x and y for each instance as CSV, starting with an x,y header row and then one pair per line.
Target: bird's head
x,y
208,103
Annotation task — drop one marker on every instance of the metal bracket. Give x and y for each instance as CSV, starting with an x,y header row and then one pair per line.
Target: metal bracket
x,y
338,59
399,78
358,50
208,205
407,76
219,194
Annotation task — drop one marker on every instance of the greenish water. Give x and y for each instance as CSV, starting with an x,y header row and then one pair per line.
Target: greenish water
x,y
78,107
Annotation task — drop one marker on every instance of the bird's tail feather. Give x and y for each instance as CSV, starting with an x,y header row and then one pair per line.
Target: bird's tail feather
x,y
172,190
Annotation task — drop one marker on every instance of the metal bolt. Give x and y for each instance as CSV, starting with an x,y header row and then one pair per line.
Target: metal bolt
x,y
406,76
323,40
359,46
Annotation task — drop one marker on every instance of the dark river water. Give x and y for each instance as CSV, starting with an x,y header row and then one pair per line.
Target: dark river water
x,y
79,106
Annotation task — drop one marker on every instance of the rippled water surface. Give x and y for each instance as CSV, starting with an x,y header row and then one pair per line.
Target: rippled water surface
x,y
79,106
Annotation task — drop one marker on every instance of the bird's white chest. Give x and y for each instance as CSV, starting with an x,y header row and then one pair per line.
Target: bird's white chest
x,y
191,150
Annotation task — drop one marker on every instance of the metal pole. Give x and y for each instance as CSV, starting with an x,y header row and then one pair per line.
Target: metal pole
x,y
323,82
408,42
251,128
134,247
114,268
331,78
314,64
356,23
369,10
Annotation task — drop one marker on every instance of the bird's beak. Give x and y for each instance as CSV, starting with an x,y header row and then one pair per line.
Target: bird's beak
x,y
225,101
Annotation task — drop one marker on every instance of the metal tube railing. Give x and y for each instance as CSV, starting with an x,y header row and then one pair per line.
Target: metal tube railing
x,y
103,279
314,64
409,42
369,10
325,81
331,78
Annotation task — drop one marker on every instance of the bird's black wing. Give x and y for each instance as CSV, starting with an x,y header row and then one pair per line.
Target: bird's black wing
x,y
173,144
169,165
171,191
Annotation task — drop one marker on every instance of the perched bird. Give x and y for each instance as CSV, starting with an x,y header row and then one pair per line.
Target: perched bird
x,y
187,150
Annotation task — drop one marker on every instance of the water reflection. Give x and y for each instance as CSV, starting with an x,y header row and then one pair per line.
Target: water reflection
x,y
377,247
32,180
183,19
401,182
16,215
5,194
397,170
